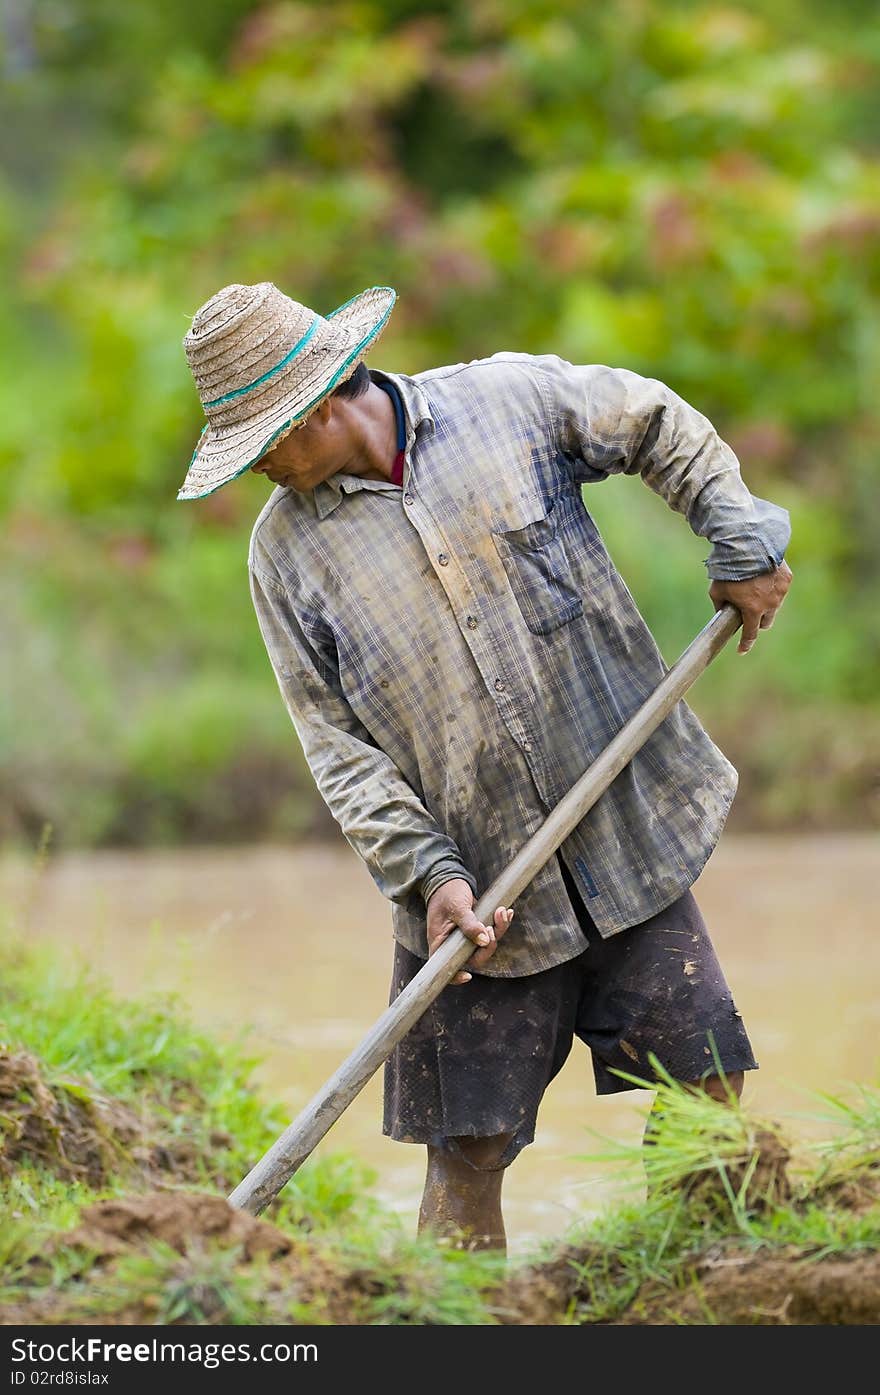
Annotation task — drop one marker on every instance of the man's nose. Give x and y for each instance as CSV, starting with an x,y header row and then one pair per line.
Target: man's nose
x,y
260,466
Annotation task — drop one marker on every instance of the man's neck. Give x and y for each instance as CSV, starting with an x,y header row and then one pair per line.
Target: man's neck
x,y
374,435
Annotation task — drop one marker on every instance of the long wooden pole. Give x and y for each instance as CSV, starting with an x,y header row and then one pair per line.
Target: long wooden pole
x,y
290,1151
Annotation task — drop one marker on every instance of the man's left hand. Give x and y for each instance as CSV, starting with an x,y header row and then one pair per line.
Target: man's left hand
x,y
757,600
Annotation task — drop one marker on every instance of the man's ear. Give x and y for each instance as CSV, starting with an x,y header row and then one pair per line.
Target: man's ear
x,y
324,410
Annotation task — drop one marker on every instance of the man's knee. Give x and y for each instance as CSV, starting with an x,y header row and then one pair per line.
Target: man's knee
x,y
481,1154
721,1087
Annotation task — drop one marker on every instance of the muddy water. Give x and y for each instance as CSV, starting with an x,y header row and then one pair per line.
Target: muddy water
x,y
296,944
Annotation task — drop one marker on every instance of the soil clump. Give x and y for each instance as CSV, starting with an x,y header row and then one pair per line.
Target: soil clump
x,y
80,1133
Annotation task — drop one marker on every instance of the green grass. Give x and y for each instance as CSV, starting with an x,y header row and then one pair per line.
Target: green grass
x,y
854,1125
146,1054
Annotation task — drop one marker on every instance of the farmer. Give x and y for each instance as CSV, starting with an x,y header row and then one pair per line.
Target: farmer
x,y
455,646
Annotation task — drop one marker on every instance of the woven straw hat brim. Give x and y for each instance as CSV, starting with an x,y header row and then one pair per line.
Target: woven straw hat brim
x,y
225,451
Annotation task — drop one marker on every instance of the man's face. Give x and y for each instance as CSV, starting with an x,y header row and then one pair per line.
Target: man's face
x,y
306,455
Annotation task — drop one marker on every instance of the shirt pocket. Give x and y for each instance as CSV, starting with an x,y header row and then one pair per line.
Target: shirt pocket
x,y
538,570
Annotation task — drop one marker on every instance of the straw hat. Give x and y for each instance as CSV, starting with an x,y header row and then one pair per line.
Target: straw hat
x,y
262,363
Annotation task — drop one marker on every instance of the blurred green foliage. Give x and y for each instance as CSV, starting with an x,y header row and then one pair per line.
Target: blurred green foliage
x,y
691,190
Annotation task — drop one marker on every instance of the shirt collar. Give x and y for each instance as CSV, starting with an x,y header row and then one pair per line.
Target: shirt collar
x,y
419,422
416,407
329,493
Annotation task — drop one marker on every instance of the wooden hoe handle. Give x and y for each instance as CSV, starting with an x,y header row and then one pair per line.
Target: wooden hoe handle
x,y
290,1151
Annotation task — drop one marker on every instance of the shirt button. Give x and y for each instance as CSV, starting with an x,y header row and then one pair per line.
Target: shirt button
x,y
443,559
500,685
527,745
408,499
472,622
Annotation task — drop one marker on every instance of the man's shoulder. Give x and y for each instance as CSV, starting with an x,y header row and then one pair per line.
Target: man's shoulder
x,y
484,386
506,363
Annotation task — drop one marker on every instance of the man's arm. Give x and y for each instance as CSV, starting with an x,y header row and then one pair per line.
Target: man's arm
x,y
378,811
612,421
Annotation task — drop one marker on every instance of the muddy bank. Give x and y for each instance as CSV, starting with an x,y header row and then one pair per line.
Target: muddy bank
x,y
79,1133
727,1281
725,1284
197,1227
126,1253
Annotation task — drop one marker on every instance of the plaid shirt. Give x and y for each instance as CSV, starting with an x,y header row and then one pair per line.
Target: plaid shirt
x,y
454,656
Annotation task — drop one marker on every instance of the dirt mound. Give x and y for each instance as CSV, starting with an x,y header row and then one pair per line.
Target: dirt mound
x,y
789,1287
179,1219
296,1276
852,1189
79,1133
726,1285
541,1295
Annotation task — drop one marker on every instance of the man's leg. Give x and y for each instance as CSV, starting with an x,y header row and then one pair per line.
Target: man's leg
x,y
719,1089
478,1059
713,1085
462,1196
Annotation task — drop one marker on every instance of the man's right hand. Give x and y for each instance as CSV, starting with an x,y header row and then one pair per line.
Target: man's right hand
x,y
451,908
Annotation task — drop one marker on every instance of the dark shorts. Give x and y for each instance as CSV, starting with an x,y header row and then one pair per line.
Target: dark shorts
x,y
479,1059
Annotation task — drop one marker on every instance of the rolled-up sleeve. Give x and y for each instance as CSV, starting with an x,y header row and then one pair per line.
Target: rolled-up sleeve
x,y
614,421
378,811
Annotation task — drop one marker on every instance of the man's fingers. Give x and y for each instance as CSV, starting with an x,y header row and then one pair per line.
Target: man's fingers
x,y
484,951
483,937
751,624
486,937
483,954
475,929
501,919
756,598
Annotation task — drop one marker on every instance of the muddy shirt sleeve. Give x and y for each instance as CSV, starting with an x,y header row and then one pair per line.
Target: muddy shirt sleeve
x,y
612,421
378,811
